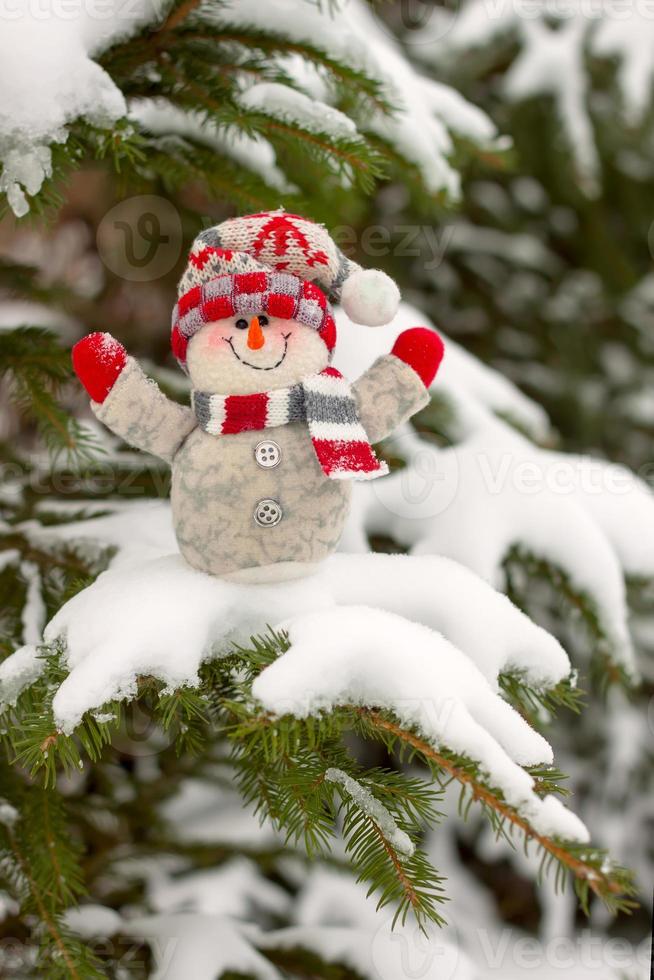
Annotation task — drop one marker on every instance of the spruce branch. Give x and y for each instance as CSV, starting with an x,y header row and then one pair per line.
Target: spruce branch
x,y
33,739
40,866
608,669
55,932
271,43
533,702
348,154
402,875
38,367
612,888
20,279
281,763
61,568
65,558
215,41
352,155
176,161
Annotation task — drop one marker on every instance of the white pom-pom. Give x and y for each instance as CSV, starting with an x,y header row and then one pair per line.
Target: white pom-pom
x,y
370,297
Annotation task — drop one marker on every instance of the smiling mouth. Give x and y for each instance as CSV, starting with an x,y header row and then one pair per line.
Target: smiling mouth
x,y
259,367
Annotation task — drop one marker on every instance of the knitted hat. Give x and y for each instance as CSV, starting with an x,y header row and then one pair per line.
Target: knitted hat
x,y
280,264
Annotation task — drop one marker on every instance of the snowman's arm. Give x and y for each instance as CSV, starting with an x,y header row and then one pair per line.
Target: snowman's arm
x,y
396,386
128,402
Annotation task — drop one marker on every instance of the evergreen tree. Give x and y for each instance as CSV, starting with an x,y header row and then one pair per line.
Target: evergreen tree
x,y
136,774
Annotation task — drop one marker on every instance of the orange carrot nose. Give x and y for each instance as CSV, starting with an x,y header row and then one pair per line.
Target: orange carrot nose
x,y
256,338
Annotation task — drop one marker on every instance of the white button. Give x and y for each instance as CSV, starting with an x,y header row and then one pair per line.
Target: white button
x,y
267,454
268,512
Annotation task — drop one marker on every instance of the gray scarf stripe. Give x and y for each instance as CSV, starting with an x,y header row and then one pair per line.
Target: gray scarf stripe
x,y
296,406
202,407
330,408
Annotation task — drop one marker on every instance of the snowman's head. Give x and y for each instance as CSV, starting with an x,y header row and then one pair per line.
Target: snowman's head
x,y
244,354
249,332
253,304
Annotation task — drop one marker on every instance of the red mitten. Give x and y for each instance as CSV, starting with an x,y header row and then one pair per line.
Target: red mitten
x,y
421,349
98,360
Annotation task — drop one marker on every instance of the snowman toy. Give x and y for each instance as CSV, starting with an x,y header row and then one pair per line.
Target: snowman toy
x,y
262,460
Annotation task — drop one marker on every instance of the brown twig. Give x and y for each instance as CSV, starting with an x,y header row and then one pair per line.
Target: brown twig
x,y
408,888
49,741
176,17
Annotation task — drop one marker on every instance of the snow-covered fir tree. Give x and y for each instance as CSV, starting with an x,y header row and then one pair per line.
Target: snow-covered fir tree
x,y
205,779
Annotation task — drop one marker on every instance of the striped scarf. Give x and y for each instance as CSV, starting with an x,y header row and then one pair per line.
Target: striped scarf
x,y
324,401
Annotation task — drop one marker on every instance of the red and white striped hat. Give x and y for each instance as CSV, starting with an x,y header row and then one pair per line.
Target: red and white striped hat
x,y
280,264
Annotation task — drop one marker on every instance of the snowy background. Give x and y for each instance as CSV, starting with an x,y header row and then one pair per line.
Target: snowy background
x,y
518,223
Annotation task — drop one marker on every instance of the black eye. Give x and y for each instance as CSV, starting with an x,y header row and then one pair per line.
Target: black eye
x,y
263,321
241,324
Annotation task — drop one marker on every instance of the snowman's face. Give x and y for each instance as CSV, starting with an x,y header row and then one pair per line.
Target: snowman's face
x,y
243,355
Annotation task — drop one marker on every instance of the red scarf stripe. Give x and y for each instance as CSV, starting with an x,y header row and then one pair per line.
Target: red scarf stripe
x,y
245,412
346,457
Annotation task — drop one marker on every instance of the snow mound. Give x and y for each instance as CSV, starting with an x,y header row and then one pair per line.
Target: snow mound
x,y
202,947
235,889
439,593
203,813
93,921
161,617
190,943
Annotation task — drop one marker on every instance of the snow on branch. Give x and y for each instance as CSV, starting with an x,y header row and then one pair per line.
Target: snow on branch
x,y
161,118
468,380
230,67
552,60
374,809
184,944
50,78
423,113
283,102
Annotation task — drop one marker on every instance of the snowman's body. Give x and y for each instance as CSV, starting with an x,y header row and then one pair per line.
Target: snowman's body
x,y
256,505
238,516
